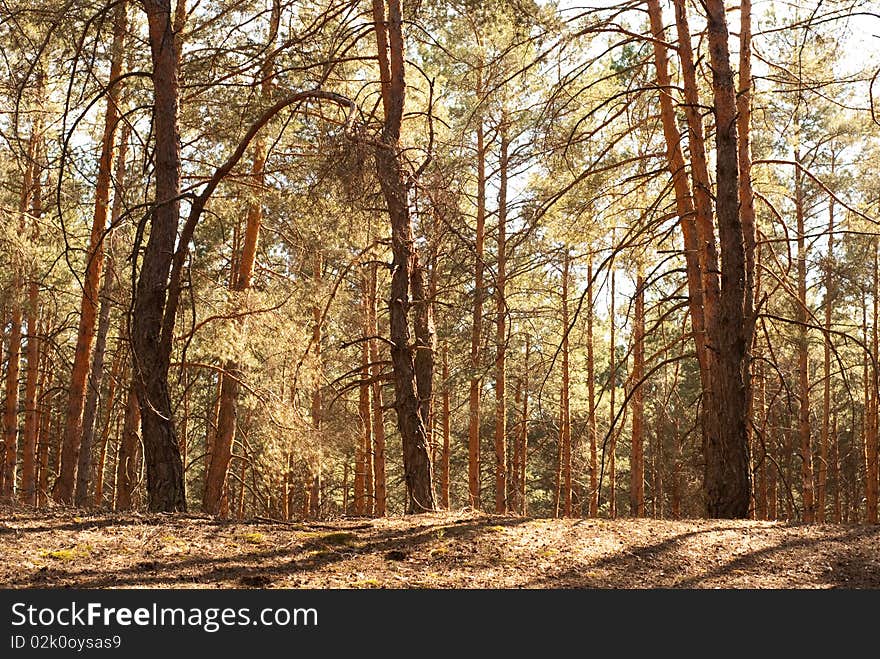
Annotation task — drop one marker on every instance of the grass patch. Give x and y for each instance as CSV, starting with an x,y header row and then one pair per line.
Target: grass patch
x,y
68,555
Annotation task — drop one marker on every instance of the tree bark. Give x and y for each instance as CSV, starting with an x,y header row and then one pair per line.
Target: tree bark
x,y
378,411
477,329
241,284
637,402
727,482
151,355
612,387
447,420
807,500
389,167
63,490
129,447
591,397
28,493
565,425
501,331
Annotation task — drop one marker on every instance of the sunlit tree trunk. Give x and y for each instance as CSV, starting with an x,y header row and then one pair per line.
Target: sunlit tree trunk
x,y
637,402
378,411
807,500
10,410
565,425
591,398
871,448
241,284
63,490
28,493
612,387
822,478
501,332
477,329
447,422
524,432
362,463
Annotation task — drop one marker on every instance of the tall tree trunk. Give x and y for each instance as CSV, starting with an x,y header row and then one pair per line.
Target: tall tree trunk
x,y
63,490
315,466
612,386
151,350
10,411
565,425
362,466
241,284
378,410
727,483
389,167
803,355
524,431
591,397
28,492
477,329
447,420
822,479
501,331
637,459
84,463
871,447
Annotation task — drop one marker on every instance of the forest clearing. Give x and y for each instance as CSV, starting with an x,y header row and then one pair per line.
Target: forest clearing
x,y
442,294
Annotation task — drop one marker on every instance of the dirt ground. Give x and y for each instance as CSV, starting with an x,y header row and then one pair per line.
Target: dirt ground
x,y
71,549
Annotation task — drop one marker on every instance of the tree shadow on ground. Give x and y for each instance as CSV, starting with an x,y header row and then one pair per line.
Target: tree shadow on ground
x,y
832,561
259,568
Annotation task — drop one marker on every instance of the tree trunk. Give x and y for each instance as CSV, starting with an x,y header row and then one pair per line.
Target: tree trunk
x,y
477,329
151,355
871,447
591,397
105,427
612,387
28,492
378,411
803,355
637,458
126,463
363,484
44,433
63,490
565,425
389,167
241,283
524,430
727,484
501,332
822,479
447,420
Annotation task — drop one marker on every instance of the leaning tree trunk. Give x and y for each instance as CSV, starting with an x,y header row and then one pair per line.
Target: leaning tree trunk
x,y
165,484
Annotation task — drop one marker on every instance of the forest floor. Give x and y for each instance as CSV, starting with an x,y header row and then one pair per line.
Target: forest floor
x,y
62,548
